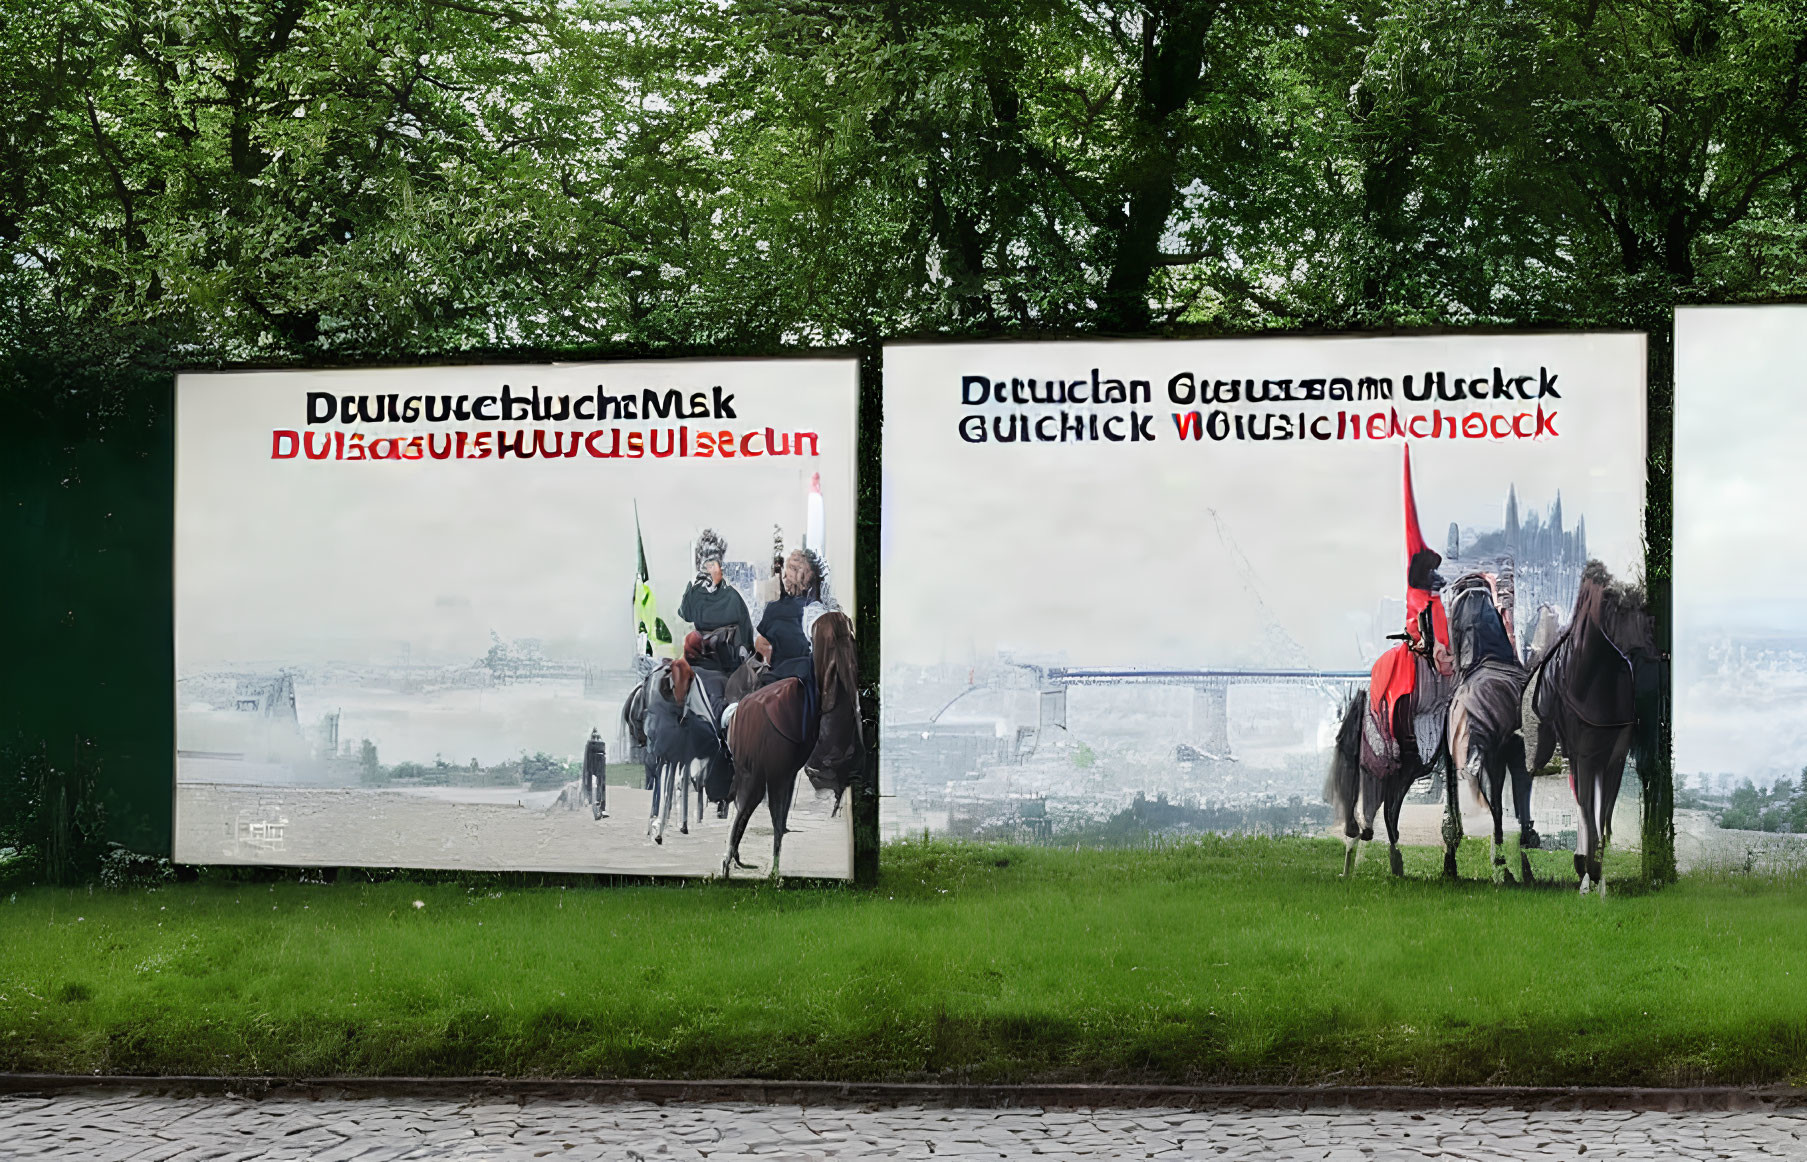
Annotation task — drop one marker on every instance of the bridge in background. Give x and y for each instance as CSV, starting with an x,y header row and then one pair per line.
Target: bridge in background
x,y
1210,691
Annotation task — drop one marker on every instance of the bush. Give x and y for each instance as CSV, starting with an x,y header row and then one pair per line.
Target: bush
x,y
51,816
121,869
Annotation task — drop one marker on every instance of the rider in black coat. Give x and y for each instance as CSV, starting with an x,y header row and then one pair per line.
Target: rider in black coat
x,y
781,636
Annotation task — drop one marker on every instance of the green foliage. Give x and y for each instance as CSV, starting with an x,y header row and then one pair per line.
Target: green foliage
x,y
122,869
1144,821
1084,757
52,818
293,178
1782,807
1215,961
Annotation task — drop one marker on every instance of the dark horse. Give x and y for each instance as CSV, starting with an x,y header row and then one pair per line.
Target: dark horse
x,y
773,733
1485,742
1597,693
1381,750
716,657
669,717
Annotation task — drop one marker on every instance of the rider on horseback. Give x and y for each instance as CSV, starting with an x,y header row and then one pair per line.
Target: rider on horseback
x,y
1427,624
783,641
710,603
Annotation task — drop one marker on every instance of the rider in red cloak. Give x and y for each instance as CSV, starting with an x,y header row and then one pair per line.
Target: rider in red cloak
x,y
1395,674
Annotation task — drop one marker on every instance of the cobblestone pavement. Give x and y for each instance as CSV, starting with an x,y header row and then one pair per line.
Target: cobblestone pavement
x,y
151,1129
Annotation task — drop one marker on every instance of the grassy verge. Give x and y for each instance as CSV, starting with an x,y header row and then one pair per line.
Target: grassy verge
x,y
1227,960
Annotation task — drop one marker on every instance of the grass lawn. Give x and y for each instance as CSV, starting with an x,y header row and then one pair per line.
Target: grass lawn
x,y
1240,960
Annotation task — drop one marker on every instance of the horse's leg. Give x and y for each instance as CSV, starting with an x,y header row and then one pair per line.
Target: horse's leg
x,y
652,784
668,778
1370,796
1489,775
1452,818
1587,835
1514,755
1395,800
1521,792
778,802
1612,776
749,789
1345,780
684,798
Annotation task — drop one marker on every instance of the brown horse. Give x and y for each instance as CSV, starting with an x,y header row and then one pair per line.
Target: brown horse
x,y
775,730
840,746
1597,693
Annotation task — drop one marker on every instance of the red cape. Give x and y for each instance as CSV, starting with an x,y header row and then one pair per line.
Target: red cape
x,y
1395,675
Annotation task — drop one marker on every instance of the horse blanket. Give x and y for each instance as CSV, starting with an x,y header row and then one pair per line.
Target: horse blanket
x,y
1484,712
1479,630
1405,683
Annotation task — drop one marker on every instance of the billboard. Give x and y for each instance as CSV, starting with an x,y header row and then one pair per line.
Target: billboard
x,y
1131,585
412,605
1740,619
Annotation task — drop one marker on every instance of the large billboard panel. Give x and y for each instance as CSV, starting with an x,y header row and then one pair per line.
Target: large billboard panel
x,y
411,605
1740,602
1130,585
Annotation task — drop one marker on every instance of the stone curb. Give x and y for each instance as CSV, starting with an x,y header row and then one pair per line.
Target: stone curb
x,y
931,1094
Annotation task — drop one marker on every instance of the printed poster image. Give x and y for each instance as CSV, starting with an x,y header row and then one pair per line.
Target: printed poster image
x,y
1740,651
412,604
1130,585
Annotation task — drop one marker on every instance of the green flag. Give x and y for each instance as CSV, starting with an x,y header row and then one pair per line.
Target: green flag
x,y
652,635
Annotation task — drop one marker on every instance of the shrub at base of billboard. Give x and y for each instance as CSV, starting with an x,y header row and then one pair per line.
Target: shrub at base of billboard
x,y
516,617
1133,587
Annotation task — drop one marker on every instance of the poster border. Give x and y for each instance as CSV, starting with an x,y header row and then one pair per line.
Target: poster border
x,y
863,861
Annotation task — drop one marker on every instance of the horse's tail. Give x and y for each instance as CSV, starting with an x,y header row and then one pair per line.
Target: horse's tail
x,y
633,719
1342,785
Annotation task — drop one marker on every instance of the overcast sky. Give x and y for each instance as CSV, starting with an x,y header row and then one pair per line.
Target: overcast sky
x,y
1740,475
1740,468
1109,552
293,560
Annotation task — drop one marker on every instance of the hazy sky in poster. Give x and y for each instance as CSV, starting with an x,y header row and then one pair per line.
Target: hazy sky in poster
x,y
295,561
1740,600
1171,553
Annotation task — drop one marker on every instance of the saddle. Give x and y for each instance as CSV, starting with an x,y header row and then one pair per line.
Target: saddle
x,y
1402,683
715,688
720,649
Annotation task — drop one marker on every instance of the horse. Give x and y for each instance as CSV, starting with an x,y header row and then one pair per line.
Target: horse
x,y
1485,742
840,749
1597,693
717,659
1382,749
675,728
774,731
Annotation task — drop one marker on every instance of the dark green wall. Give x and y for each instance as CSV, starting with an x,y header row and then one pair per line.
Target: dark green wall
x,y
86,472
